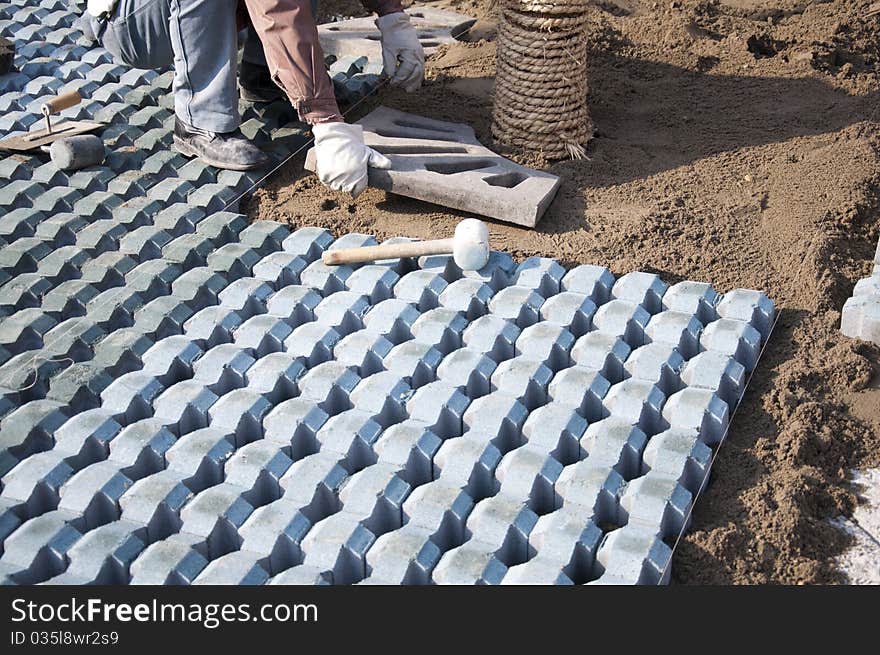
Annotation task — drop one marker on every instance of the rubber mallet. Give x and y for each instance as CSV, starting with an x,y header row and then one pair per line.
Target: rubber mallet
x,y
469,248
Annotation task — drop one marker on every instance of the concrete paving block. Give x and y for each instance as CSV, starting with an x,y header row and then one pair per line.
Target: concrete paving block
x,y
363,351
29,429
467,295
313,343
199,287
325,279
20,223
233,260
171,561
264,236
441,509
546,342
40,547
69,299
296,304
93,493
189,250
656,501
293,425
860,318
114,308
131,396
171,359
556,430
179,219
275,376
35,482
633,555
262,334
24,330
139,449
153,278
421,288
616,444
23,291
571,310
717,372
313,483
498,415
162,317
247,296
595,282
677,329
497,271
405,556
385,395
212,326
581,388
107,270
79,385
23,255
527,476
681,455
198,458
102,556
660,363
393,319
594,487
735,338
753,307
519,305
349,436
444,163
523,378
215,514
441,327
27,374
257,468
698,409
100,236
239,568
121,351
414,361
441,406
697,298
144,242
184,406
542,274
308,242
343,311
623,318
62,264
638,401
468,370
493,336
280,269
240,412
410,448
374,281
276,531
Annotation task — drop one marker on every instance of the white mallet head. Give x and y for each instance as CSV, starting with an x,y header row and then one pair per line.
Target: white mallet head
x,y
470,244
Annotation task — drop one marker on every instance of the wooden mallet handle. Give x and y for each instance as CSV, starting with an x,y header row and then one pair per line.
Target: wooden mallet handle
x,y
60,103
387,251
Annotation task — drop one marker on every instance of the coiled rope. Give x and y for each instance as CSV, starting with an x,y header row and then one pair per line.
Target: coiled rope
x,y
541,78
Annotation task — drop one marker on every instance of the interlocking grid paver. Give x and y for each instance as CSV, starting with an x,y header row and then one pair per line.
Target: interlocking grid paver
x,y
189,399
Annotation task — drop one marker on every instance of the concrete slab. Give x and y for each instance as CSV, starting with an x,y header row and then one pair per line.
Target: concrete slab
x,y
445,164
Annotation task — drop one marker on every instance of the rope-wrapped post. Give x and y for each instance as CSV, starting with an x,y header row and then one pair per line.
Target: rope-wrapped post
x,y
541,80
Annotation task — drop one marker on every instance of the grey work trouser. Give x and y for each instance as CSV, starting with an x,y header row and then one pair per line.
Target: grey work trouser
x,y
197,37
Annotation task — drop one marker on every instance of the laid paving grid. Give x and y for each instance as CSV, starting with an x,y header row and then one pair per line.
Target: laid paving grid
x,y
187,398
861,314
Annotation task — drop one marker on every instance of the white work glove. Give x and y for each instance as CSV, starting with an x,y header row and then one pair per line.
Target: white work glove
x,y
342,158
101,8
402,51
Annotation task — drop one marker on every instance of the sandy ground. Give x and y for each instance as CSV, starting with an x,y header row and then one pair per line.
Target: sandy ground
x,y
737,142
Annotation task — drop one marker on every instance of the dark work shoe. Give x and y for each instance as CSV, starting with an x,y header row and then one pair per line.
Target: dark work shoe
x,y
227,150
256,84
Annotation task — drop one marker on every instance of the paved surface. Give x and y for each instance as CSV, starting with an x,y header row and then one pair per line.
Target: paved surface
x,y
861,313
187,398
445,164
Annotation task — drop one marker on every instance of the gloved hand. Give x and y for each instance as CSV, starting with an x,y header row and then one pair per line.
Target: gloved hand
x,y
101,8
342,158
402,52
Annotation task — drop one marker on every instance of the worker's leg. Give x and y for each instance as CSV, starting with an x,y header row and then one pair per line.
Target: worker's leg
x,y
253,76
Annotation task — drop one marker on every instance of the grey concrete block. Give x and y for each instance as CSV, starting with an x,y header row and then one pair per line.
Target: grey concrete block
x,y
523,378
171,561
184,406
295,304
444,163
198,458
469,296
441,406
212,326
308,242
698,409
468,370
633,555
556,430
364,351
735,338
595,282
638,401
121,351
753,307
102,556
139,449
623,318
393,319
93,493
384,395
697,298
275,376
498,415
519,305
860,318
29,429
240,412
262,334
677,329
40,547
616,444
717,372
660,363
409,447
238,567
375,281
313,343
131,395
492,335
414,361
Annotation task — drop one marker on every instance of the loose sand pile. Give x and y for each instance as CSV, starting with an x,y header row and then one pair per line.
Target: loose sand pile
x,y
737,142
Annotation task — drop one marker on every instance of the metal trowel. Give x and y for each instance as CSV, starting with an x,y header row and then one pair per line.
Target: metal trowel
x,y
51,133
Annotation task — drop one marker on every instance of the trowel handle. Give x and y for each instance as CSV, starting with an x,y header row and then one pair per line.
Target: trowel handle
x,y
387,251
60,103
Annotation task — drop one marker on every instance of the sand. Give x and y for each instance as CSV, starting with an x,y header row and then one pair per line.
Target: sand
x,y
737,142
